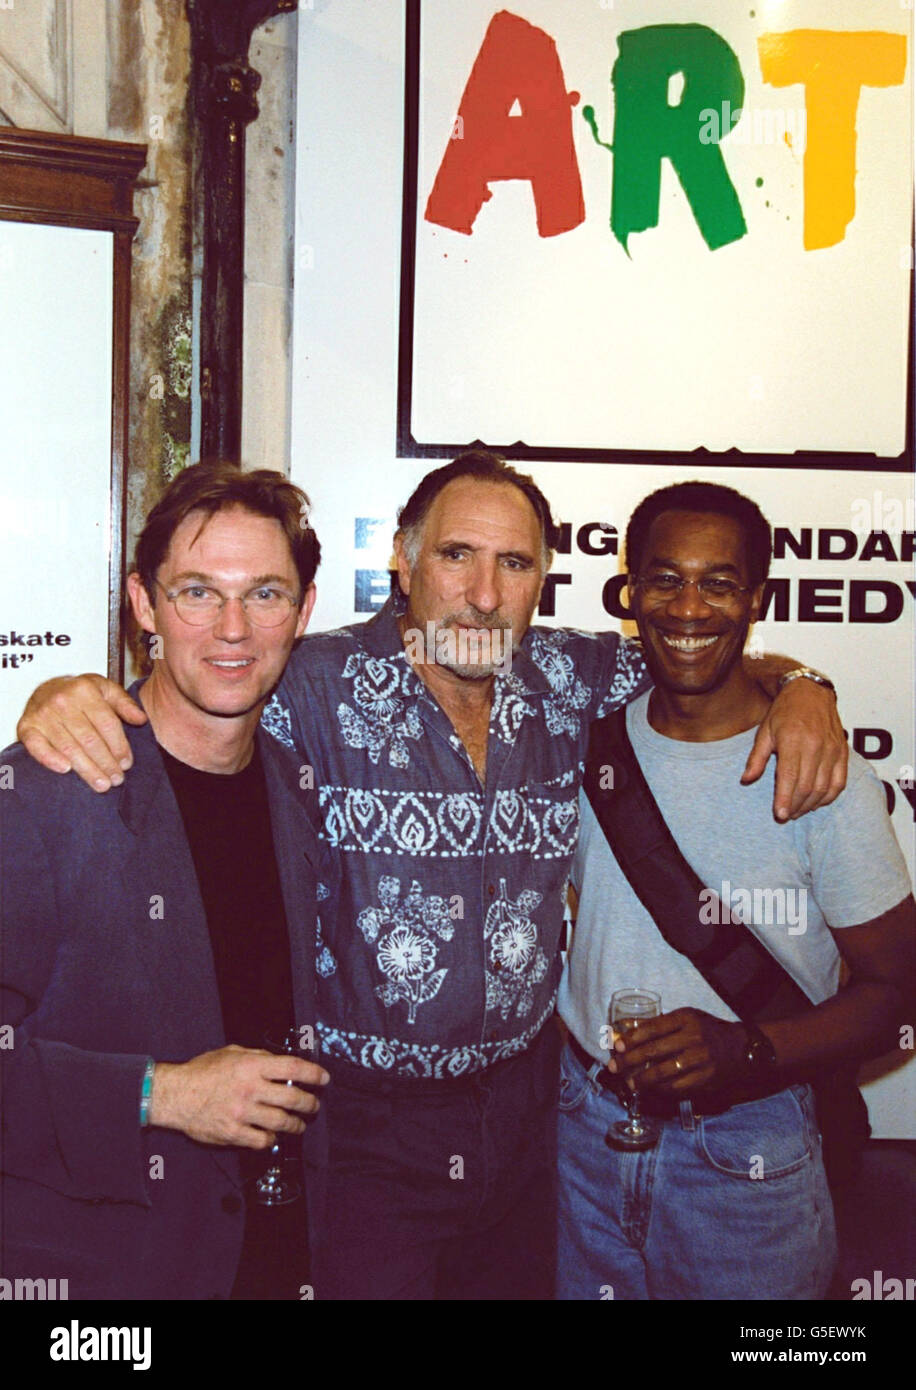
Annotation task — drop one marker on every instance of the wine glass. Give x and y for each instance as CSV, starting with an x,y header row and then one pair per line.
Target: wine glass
x,y
629,1007
272,1188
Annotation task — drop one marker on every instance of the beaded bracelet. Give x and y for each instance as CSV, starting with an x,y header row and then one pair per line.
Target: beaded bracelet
x,y
146,1091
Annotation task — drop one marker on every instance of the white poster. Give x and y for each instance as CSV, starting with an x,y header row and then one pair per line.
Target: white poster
x,y
707,204
55,479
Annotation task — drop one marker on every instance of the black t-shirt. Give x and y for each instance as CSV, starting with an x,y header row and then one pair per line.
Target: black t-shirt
x,y
227,822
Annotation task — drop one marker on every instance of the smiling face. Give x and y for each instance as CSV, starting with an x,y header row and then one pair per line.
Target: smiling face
x,y
225,669
691,646
479,567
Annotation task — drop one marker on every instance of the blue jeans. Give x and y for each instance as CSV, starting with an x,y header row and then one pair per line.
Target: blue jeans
x,y
732,1206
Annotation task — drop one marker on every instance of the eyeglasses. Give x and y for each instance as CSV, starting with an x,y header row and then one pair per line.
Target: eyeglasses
x,y
198,605
717,591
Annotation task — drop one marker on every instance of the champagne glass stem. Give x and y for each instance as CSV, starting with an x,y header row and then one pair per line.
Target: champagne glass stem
x,y
635,1117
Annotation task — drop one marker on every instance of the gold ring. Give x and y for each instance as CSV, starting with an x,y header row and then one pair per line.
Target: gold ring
x,y
677,1063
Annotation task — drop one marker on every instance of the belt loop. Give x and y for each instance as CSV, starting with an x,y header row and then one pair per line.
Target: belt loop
x,y
688,1119
593,1072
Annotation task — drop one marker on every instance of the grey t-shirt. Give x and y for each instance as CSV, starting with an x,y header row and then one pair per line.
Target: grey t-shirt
x,y
840,864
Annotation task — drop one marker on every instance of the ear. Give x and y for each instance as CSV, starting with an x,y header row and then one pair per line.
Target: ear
x,y
400,556
140,603
305,610
756,600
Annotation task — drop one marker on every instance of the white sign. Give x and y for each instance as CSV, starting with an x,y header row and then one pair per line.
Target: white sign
x,y
55,480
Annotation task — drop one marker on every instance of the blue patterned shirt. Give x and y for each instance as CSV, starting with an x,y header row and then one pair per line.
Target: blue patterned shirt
x,y
442,956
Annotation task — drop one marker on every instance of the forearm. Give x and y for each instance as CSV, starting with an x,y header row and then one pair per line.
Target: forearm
x,y
863,1020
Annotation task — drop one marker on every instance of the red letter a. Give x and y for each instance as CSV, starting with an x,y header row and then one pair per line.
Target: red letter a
x,y
516,61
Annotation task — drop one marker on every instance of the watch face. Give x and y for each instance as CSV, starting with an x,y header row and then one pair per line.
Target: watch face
x,y
760,1051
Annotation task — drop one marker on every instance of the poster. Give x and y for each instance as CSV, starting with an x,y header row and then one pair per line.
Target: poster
x,y
55,403
707,205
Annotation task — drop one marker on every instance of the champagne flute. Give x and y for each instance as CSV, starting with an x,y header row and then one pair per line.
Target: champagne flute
x,y
628,1008
272,1188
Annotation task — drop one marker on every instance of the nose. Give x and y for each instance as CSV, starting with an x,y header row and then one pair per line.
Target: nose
x,y
232,623
689,603
483,591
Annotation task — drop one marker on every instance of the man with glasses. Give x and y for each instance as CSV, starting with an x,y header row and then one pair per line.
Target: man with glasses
x,y
730,1200
158,945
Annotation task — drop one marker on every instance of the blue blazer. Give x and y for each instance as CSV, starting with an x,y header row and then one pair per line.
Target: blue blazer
x,y
95,977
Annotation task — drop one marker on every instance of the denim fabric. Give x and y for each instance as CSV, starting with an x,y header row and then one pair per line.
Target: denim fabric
x,y
686,1219
442,1189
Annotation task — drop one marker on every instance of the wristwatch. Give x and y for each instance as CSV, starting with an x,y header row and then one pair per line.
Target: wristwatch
x,y
808,674
759,1053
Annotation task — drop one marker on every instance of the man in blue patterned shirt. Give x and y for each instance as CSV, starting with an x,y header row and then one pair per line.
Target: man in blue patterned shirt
x,y
447,739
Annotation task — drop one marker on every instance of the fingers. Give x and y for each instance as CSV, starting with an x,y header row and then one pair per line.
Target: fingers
x,y
809,778
811,755
828,780
275,1120
126,708
288,1098
73,724
41,750
85,749
653,1053
284,1068
674,1058
646,1030
759,755
250,1137
686,1071
630,1040
313,1075
791,775
838,775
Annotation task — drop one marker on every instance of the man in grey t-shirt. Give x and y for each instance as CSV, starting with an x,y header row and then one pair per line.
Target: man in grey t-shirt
x,y
731,1202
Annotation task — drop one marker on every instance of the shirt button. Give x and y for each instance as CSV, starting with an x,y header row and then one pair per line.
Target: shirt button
x,y
490,889
231,1203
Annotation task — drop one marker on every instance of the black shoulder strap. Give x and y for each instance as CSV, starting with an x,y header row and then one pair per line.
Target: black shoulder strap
x,y
732,959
